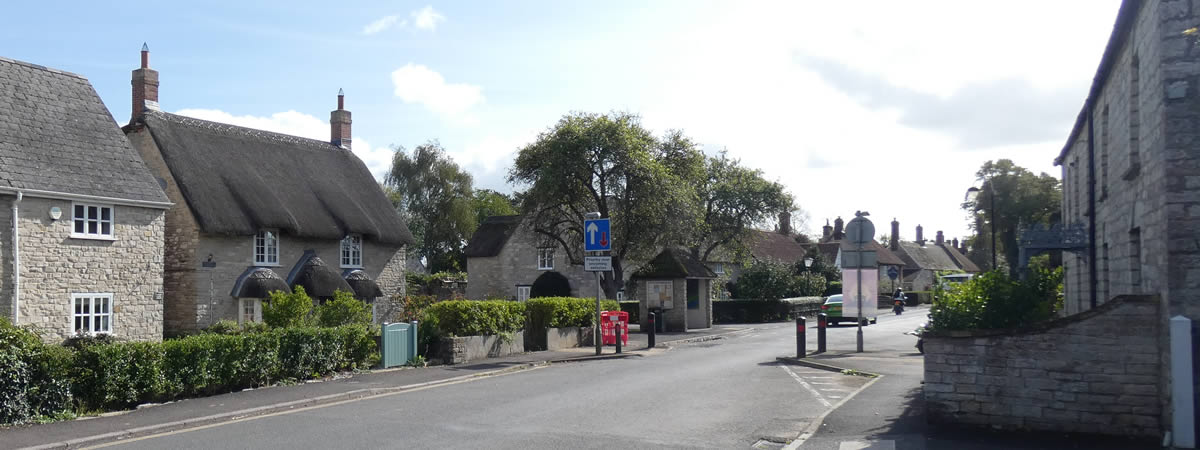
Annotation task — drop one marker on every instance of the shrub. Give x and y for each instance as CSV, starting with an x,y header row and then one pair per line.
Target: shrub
x,y
993,300
288,310
474,318
634,310
118,375
224,326
560,312
344,309
34,377
413,307
772,281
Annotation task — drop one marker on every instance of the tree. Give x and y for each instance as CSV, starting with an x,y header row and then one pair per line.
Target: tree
x,y
610,164
489,203
1022,199
436,198
734,199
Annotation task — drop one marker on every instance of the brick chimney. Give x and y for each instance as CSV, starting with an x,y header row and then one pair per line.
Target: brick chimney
x,y
785,223
145,86
954,243
894,244
838,229
920,236
339,124
826,232
941,238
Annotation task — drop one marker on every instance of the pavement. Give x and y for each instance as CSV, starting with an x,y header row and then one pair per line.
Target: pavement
x,y
206,411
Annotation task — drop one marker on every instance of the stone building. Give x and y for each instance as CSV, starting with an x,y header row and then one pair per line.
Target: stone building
x,y
254,207
833,239
507,259
675,286
82,249
923,260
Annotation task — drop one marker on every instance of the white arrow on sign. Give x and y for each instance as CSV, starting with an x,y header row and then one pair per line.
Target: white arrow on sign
x,y
591,230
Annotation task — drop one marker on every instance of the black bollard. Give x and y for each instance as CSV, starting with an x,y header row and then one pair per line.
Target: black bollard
x,y
822,322
800,344
650,319
617,332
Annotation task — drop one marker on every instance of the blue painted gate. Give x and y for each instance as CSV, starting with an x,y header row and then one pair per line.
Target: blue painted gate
x,y
399,343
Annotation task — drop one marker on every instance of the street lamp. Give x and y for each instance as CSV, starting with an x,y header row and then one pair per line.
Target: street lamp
x,y
972,195
808,263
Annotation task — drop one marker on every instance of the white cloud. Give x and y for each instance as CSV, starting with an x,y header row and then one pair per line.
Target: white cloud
x,y
383,23
377,159
427,18
415,83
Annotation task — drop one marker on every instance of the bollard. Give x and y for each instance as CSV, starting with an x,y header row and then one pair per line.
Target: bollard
x,y
800,344
822,322
617,332
650,319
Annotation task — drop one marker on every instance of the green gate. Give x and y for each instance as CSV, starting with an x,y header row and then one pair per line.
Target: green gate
x,y
399,343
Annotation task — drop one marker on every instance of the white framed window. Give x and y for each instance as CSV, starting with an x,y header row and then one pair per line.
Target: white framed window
x,y
266,248
352,251
718,268
249,310
522,293
91,313
546,258
90,221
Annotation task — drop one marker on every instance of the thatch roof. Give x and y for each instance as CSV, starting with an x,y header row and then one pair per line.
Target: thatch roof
x,y
239,180
364,287
773,246
258,282
319,280
57,136
674,263
491,236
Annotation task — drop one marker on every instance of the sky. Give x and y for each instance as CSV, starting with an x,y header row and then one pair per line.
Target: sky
x,y
881,106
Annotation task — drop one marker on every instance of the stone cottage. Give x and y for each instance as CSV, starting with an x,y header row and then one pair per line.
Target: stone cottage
x,y
254,207
507,259
82,245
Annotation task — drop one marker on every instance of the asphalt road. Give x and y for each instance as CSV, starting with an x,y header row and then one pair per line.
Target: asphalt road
x,y
726,393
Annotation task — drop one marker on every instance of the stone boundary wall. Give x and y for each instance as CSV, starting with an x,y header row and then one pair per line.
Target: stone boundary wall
x,y
1094,372
461,349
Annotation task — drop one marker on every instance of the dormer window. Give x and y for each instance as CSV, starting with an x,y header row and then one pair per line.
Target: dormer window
x,y
352,251
266,248
546,258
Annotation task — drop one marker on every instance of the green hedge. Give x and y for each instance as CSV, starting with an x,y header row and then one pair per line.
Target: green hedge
x,y
40,380
992,300
560,312
633,308
474,318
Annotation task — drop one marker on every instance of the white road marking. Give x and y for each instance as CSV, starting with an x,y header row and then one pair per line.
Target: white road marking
x,y
867,445
811,389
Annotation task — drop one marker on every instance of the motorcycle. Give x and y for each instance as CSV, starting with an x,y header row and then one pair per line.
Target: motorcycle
x,y
898,307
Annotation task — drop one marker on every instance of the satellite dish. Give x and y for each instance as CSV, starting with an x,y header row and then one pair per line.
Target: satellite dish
x,y
55,213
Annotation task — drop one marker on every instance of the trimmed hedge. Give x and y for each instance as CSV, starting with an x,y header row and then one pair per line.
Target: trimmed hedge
x,y
104,375
561,312
474,317
762,311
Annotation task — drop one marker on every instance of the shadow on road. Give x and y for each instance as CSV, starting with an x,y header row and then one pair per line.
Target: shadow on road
x,y
484,366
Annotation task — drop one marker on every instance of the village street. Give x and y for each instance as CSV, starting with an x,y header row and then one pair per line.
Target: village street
x,y
725,393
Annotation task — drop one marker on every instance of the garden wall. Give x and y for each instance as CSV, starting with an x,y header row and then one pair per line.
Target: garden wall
x,y
1094,372
458,350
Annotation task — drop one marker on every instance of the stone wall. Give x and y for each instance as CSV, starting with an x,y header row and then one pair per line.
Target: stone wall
x,y
558,338
54,265
1095,372
461,349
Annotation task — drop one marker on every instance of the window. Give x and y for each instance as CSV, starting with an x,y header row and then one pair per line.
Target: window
x,y
621,295
546,258
352,251
249,310
522,293
1104,154
92,313
1135,120
92,221
266,248
718,268
1135,260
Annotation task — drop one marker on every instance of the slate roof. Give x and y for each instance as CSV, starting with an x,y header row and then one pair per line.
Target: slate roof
x,y
239,180
961,260
491,236
769,245
930,257
56,135
674,263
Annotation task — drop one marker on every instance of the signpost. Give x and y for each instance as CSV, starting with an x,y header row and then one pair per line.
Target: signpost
x,y
859,232
597,237
893,273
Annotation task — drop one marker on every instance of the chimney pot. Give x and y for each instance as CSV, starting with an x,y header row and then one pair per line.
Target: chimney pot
x,y
894,243
941,239
145,86
920,236
838,230
785,223
339,123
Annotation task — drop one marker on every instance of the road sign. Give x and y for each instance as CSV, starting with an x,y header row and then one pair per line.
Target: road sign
x,y
893,273
597,263
860,230
596,236
852,258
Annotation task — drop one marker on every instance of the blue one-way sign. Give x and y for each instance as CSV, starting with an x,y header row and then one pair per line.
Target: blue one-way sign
x,y
596,236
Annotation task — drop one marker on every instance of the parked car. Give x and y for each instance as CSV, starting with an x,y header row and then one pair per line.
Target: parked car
x,y
955,278
833,311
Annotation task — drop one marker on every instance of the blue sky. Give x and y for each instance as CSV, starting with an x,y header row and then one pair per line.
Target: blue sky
x,y
882,106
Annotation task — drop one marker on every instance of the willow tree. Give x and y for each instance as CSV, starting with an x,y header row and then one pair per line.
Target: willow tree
x,y
606,163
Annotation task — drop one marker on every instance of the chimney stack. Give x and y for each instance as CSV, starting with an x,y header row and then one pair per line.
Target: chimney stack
x,y
894,243
941,239
838,229
785,223
920,236
145,86
339,124
826,232
954,243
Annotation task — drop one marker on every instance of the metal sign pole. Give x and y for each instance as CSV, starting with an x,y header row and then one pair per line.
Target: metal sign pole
x,y
858,274
599,345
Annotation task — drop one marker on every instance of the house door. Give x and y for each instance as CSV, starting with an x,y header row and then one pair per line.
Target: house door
x,y
697,316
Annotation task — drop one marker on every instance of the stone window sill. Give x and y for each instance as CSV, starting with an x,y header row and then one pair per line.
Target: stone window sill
x,y
93,237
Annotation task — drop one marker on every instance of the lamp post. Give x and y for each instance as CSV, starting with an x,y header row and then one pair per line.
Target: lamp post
x,y
808,263
972,195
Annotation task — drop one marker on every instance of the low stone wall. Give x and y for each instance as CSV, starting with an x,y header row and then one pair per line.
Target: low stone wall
x,y
558,338
1094,372
458,350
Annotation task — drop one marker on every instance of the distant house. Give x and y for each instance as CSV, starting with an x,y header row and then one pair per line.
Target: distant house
x,y
507,259
833,241
82,248
923,260
257,211
775,246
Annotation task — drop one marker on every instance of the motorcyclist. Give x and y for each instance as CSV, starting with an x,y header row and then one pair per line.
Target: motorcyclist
x,y
898,301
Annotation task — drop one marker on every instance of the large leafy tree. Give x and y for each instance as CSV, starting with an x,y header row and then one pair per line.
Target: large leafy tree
x,y
610,164
1021,199
487,203
734,199
436,198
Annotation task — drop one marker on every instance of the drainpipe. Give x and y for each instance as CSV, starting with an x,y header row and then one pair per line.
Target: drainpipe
x,y
1092,205
16,245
